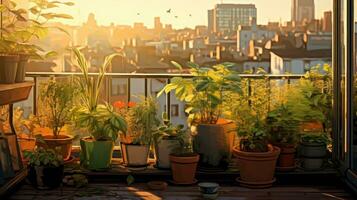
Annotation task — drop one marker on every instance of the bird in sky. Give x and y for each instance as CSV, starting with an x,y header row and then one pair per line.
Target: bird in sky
x,y
190,15
137,13
168,11
176,16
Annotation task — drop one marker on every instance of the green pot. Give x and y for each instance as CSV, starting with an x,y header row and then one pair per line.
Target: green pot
x,y
96,155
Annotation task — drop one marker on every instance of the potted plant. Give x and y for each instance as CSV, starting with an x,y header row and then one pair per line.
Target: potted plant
x,y
184,161
45,168
256,156
99,120
20,32
313,150
204,95
57,100
135,143
166,140
284,129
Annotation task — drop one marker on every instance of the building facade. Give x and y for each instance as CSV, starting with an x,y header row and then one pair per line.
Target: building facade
x,y
302,11
227,17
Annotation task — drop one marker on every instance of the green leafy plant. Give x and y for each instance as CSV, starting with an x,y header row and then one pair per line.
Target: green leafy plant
x,y
321,138
185,147
143,121
283,126
167,129
100,120
19,31
58,97
44,157
205,93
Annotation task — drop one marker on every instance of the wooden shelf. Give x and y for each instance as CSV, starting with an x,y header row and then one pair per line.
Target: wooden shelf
x,y
12,93
12,182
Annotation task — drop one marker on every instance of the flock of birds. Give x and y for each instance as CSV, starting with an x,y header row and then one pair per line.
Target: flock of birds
x,y
169,11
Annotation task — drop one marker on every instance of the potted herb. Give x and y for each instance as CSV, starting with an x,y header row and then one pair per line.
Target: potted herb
x,y
284,129
99,120
313,150
166,140
135,143
57,100
184,161
256,156
20,32
205,94
45,168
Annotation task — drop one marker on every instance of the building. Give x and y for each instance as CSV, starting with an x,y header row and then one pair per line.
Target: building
x,y
302,11
157,24
226,18
327,22
297,61
210,20
316,41
247,33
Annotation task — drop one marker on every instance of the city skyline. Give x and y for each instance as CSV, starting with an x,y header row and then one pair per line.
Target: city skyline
x,y
127,12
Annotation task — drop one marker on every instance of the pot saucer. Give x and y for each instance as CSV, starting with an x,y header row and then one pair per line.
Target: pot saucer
x,y
141,168
183,184
256,185
285,169
69,160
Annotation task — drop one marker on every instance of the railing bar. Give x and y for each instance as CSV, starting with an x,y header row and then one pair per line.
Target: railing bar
x,y
34,95
168,102
128,90
146,87
109,88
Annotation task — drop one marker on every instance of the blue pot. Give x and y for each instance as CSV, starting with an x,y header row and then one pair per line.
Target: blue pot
x,y
208,188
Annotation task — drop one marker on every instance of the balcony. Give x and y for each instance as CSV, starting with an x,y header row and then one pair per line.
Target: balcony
x,y
158,127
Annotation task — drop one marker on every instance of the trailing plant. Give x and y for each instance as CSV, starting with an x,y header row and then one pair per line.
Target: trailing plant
x,y
143,121
283,126
58,97
307,102
205,93
167,129
19,31
100,120
321,138
44,157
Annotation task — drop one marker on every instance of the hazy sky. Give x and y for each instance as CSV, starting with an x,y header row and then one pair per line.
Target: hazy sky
x,y
125,11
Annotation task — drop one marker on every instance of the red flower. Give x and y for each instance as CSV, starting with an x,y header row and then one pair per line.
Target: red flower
x,y
131,104
119,104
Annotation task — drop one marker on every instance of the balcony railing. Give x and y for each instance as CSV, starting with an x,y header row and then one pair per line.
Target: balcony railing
x,y
145,77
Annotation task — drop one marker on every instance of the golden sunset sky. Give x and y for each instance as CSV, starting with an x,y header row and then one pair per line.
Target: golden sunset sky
x,y
126,11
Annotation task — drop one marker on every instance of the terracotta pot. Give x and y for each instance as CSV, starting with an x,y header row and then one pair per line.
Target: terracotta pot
x,y
311,126
135,155
184,168
8,68
21,68
63,142
287,156
26,144
257,169
214,143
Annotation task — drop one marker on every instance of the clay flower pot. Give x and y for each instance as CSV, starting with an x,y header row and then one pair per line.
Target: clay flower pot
x,y
257,169
135,156
8,68
163,149
184,168
286,161
63,142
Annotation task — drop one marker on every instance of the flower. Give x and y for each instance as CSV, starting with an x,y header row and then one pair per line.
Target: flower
x,y
131,104
119,104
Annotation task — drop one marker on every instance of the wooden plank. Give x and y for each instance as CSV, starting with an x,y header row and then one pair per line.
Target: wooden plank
x,y
20,176
12,93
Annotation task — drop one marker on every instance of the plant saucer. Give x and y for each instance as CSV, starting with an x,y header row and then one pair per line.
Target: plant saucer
x,y
184,184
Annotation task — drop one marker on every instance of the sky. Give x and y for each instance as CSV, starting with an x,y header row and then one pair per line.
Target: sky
x,y
125,12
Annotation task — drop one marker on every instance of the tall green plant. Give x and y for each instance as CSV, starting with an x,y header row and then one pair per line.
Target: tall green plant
x,y
21,27
100,120
58,97
143,121
205,93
